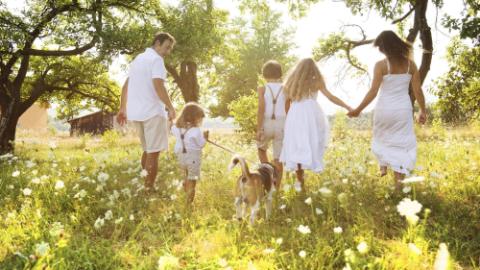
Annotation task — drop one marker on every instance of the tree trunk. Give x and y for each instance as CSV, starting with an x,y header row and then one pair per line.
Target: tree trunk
x,y
8,126
421,25
186,80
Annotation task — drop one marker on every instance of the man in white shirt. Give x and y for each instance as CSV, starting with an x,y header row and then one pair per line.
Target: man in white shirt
x,y
147,104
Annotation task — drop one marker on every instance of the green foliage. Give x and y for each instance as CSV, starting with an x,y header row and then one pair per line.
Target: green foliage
x,y
335,45
110,137
459,89
244,112
198,28
468,23
249,45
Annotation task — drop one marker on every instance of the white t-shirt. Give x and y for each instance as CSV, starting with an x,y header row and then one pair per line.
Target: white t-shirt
x,y
193,139
280,105
143,102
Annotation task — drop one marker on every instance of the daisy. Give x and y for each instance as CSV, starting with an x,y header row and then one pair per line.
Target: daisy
x,y
338,230
318,211
304,229
325,191
409,209
413,179
16,174
27,192
414,249
59,185
308,201
108,215
99,223
42,249
362,247
302,254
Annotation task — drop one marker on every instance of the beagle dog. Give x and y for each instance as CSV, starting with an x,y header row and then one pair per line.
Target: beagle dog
x,y
252,188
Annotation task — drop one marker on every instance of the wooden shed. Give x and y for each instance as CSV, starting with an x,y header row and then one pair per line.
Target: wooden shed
x,y
94,123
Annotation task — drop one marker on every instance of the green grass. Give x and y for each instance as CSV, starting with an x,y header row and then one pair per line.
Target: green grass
x,y
148,232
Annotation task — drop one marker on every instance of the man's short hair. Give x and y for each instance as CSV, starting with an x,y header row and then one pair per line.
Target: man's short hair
x,y
162,37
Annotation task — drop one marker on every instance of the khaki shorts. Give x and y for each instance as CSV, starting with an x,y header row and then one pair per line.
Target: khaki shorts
x,y
272,131
153,134
191,163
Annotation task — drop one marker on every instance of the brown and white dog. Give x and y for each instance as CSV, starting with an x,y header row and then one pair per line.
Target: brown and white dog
x,y
252,188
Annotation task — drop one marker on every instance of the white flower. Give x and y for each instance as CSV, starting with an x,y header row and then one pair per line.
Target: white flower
x,y
362,247
268,251
409,209
30,164
42,249
168,262
36,181
99,223
59,185
108,215
27,192
413,179
103,177
298,186
119,220
222,262
302,253
407,189
345,181
52,145
442,258
81,194
283,206
81,168
325,191
342,198
57,229
34,172
173,197
16,174
318,211
143,173
338,230
414,249
131,217
308,201
279,241
304,229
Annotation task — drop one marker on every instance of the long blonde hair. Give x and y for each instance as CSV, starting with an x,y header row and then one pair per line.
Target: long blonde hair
x,y
191,116
303,81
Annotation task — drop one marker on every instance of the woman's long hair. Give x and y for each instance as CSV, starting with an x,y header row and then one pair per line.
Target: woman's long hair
x,y
303,81
393,46
190,116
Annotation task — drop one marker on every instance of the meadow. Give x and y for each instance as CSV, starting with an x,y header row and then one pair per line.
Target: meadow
x,y
78,203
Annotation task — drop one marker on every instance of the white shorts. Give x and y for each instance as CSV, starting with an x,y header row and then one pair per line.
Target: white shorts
x,y
190,162
272,131
153,134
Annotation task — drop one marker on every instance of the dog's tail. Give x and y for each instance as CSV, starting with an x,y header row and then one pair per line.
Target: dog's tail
x,y
243,164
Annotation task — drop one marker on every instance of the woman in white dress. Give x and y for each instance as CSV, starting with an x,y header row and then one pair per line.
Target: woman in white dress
x,y
306,127
394,142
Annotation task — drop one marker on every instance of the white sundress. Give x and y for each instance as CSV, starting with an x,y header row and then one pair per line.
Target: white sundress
x,y
394,142
305,136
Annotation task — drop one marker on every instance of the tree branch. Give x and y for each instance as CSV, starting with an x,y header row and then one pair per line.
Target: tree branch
x,y
79,50
404,16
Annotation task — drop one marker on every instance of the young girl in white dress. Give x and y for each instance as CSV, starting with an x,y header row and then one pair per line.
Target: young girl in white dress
x,y
306,126
189,142
394,142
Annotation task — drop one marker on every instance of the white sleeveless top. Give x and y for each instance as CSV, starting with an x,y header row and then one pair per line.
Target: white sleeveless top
x,y
274,91
393,93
